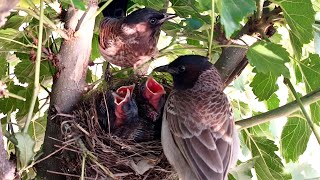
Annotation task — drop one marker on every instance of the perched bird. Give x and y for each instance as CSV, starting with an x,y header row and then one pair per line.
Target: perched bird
x,y
131,41
198,132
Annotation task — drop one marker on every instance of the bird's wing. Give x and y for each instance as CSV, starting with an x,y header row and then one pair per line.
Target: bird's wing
x,y
202,129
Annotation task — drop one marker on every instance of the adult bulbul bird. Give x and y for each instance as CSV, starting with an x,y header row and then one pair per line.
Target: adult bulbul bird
x,y
198,131
132,41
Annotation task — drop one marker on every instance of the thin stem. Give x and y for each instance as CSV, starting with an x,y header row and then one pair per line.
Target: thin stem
x,y
25,45
15,96
212,28
37,71
304,112
47,21
102,8
83,165
282,111
10,137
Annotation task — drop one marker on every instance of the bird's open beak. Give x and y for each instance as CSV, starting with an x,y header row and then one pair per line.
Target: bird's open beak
x,y
166,17
165,69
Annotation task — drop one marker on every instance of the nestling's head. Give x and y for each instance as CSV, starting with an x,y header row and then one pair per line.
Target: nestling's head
x,y
186,70
147,16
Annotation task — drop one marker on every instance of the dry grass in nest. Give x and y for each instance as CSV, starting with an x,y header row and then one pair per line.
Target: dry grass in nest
x,y
98,155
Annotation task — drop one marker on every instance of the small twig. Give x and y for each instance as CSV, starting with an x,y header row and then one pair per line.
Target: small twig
x,y
37,71
306,115
10,137
102,8
25,45
66,174
83,165
212,28
282,111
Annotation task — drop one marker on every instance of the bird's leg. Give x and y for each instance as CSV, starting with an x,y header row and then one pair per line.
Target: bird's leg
x,y
107,73
141,67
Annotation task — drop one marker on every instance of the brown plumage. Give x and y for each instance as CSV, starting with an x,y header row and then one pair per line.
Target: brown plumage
x,y
198,132
131,41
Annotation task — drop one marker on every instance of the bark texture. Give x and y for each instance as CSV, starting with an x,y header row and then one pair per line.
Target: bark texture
x,y
69,82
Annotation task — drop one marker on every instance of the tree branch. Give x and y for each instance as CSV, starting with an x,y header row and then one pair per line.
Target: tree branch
x,y
303,110
282,111
69,83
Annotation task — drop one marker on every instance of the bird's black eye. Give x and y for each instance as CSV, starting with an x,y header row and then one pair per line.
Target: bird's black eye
x,y
181,68
153,21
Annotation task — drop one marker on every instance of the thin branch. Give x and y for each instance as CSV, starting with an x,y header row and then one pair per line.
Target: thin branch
x,y
282,111
37,71
25,45
47,21
212,28
102,8
303,110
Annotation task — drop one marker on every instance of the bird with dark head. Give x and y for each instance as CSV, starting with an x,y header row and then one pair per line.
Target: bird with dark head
x,y
132,41
198,134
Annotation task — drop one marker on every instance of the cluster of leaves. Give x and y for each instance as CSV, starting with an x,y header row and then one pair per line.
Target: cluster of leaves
x,y
285,55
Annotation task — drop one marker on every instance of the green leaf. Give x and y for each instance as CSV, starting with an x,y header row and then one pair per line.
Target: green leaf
x,y
79,4
16,21
95,53
296,45
25,70
269,58
264,85
193,24
25,4
37,131
299,15
268,164
3,66
262,130
294,138
25,149
233,11
23,106
310,69
243,171
155,4
183,8
273,102
205,5
8,104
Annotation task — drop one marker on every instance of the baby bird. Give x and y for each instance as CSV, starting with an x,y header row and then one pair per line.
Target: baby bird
x,y
198,131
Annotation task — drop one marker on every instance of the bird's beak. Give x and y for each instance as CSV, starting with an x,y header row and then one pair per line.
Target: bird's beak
x,y
165,68
166,17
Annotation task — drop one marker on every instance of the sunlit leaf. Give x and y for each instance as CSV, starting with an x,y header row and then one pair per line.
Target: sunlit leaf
x,y
3,66
37,130
25,149
269,58
294,138
273,102
299,15
231,13
311,72
268,165
155,4
79,4
264,85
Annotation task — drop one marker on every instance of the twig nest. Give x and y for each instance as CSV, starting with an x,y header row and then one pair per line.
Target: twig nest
x,y
99,154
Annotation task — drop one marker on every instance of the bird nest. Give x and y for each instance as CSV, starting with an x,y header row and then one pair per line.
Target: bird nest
x,y
95,153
